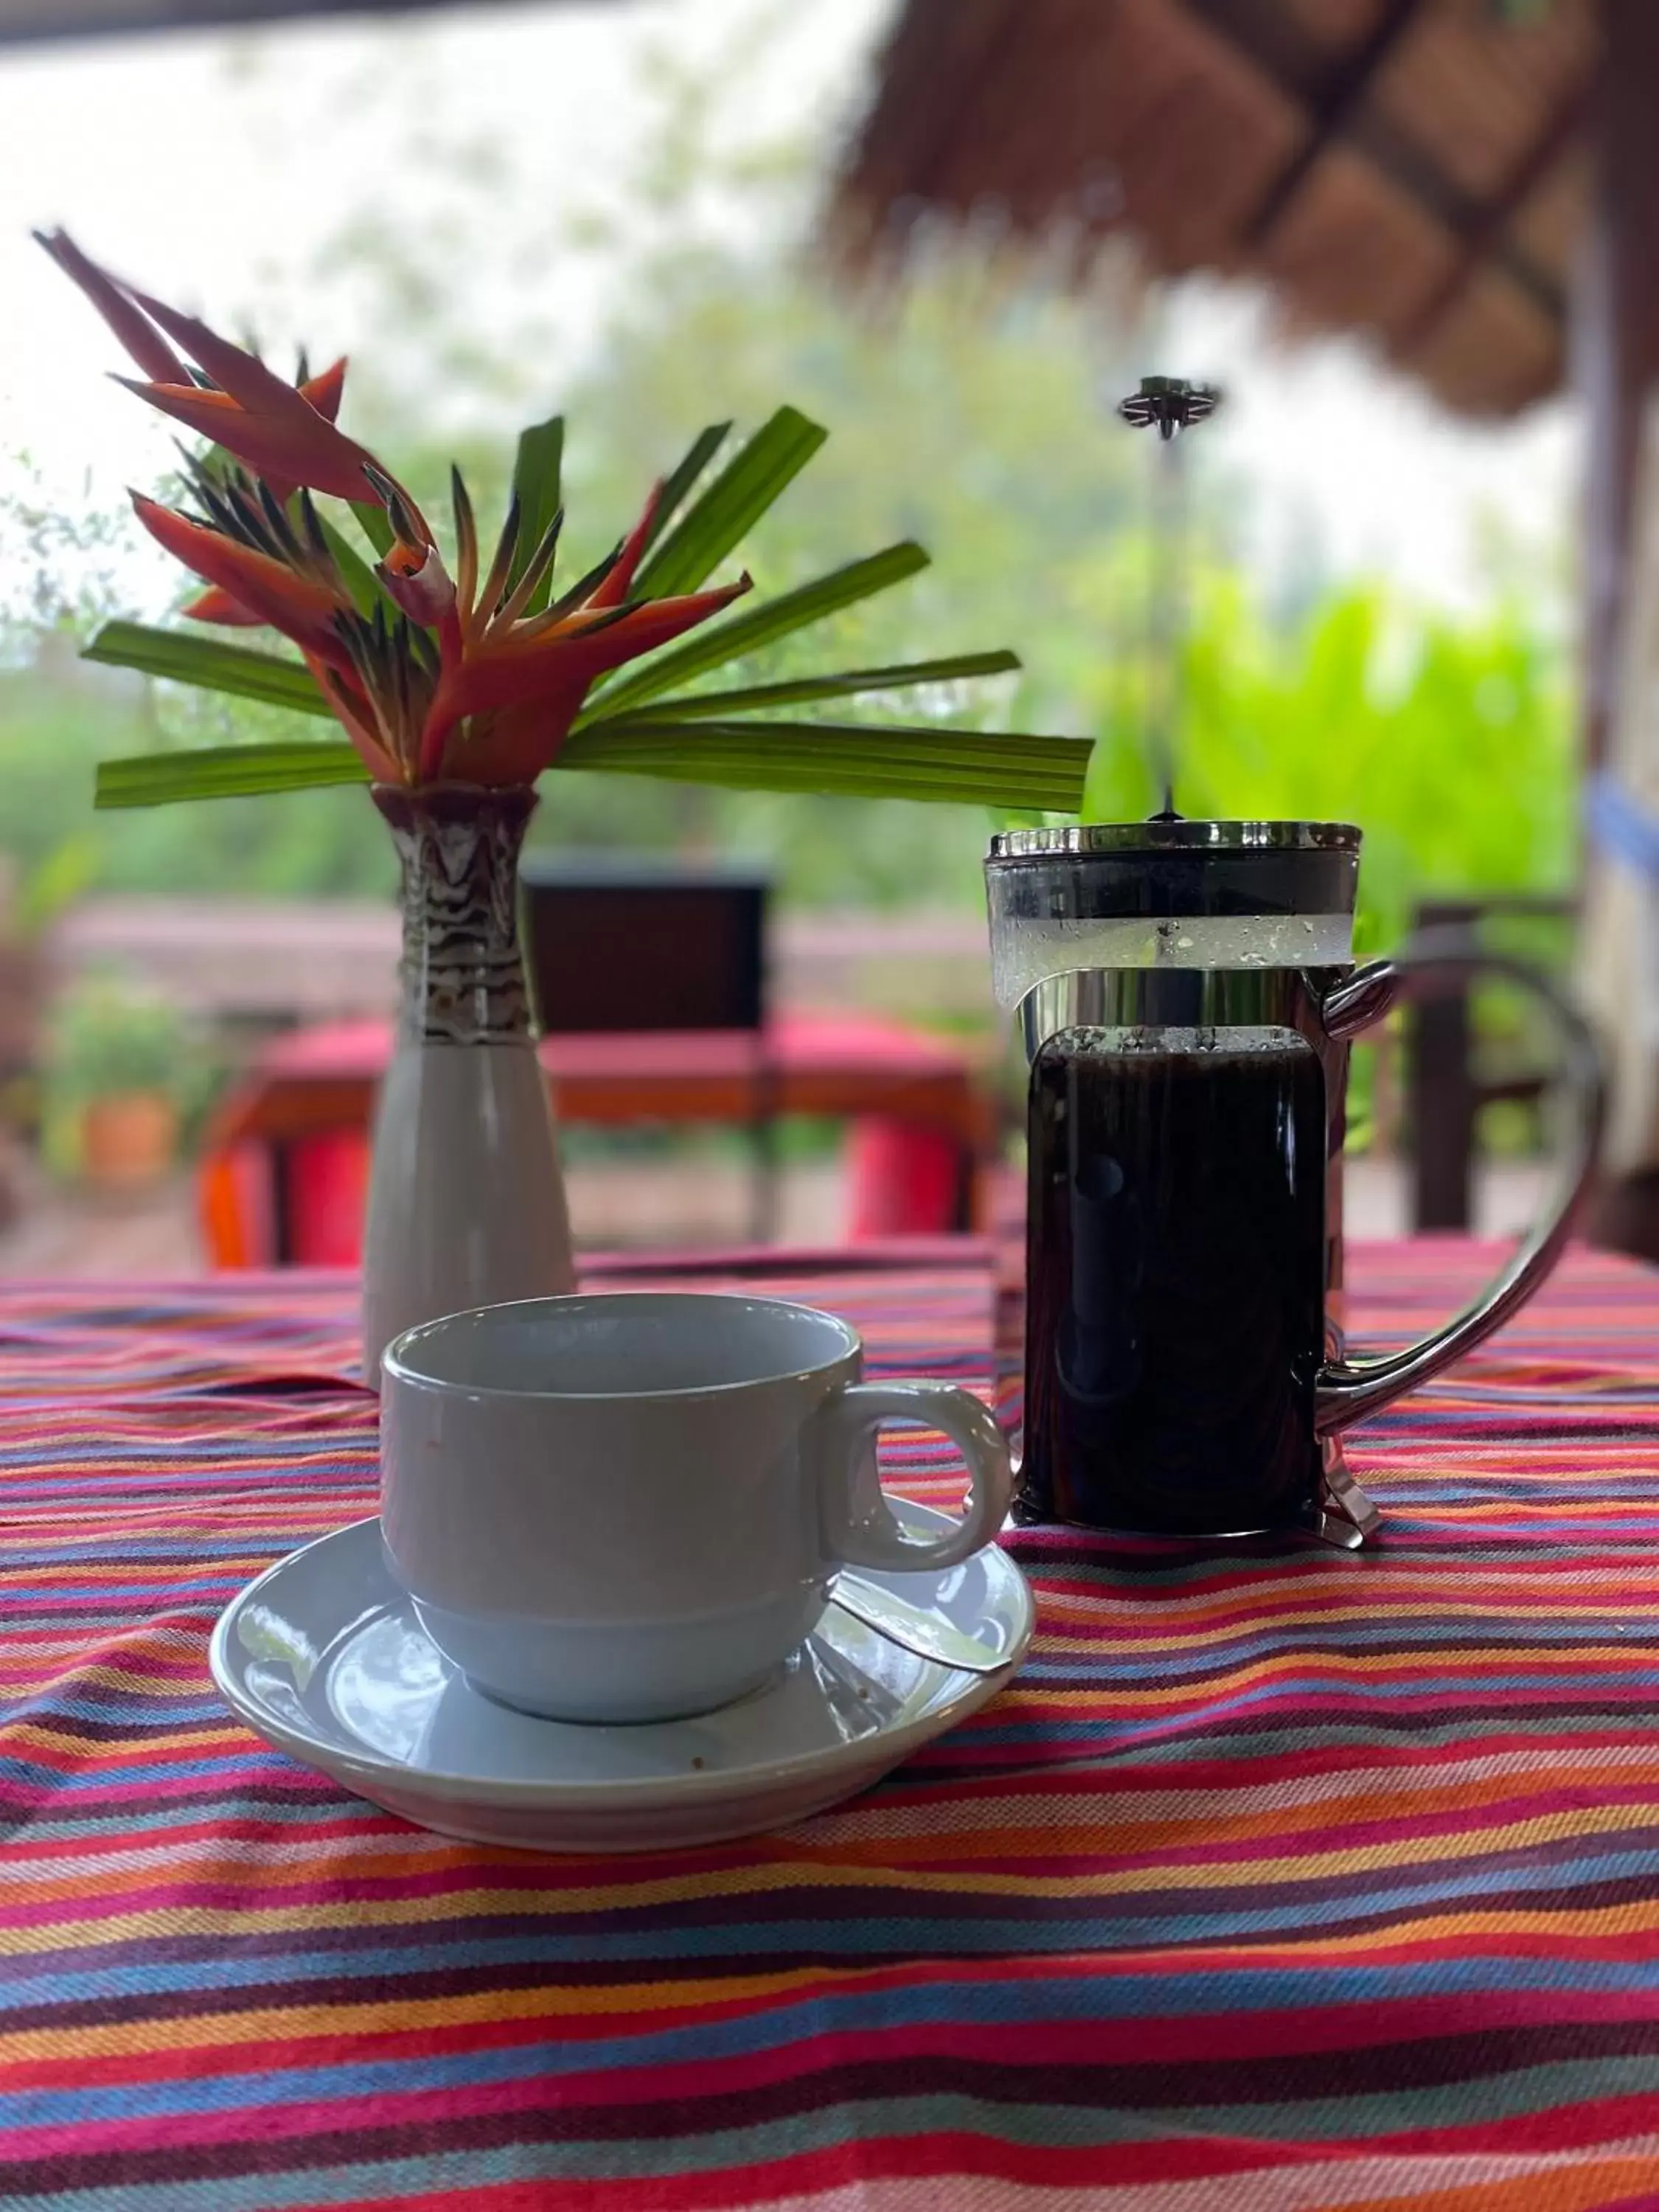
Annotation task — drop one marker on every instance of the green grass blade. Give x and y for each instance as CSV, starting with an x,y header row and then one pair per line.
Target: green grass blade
x,y
225,772
740,633
743,491
856,760
900,677
204,662
537,475
680,479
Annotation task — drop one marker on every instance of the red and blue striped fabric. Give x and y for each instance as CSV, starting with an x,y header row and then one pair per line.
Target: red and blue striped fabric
x,y
1278,1879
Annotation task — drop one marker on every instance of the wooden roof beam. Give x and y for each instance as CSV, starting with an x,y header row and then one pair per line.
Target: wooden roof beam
x,y
1485,233
1616,332
1332,112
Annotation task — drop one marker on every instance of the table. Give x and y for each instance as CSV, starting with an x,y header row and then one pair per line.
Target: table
x,y
312,1082
1278,1879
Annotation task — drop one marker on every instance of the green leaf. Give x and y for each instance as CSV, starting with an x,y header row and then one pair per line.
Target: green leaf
x,y
733,503
536,478
900,676
359,579
225,772
740,633
857,760
205,662
372,520
679,481
972,767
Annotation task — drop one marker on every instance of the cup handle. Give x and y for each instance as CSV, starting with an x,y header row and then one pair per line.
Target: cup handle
x,y
859,1528
1347,1390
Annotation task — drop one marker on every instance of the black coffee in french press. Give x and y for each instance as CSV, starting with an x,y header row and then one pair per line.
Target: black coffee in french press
x,y
1186,993
1177,1223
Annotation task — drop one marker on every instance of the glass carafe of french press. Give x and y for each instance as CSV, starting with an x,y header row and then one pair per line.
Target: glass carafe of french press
x,y
1186,995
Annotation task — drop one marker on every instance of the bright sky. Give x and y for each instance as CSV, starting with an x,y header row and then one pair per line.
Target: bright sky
x,y
214,168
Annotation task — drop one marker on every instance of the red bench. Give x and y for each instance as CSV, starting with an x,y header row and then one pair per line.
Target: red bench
x,y
285,1163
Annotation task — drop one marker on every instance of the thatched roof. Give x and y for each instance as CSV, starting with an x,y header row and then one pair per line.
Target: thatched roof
x,y
1416,169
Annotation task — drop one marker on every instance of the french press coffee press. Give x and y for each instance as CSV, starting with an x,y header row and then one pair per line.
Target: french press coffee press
x,y
1186,994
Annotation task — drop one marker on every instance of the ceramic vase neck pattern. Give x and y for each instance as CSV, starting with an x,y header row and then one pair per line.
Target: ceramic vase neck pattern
x,y
462,972
466,1203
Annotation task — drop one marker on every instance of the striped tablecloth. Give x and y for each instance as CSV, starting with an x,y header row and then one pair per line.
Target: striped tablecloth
x,y
1286,1879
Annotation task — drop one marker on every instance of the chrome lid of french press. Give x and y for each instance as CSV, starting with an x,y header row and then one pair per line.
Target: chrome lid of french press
x,y
1162,834
1144,899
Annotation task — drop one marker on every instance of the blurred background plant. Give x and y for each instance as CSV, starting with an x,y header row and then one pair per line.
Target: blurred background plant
x,y
123,1075
1449,740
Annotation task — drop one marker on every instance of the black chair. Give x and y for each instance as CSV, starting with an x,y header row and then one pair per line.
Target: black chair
x,y
631,943
635,942
1444,1094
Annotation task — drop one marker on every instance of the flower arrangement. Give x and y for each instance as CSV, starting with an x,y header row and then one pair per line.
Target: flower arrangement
x,y
480,671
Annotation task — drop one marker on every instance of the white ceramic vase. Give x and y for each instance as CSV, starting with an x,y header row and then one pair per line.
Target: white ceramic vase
x,y
466,1203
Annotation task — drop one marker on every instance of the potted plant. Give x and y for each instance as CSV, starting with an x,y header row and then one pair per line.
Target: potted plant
x,y
114,1066
455,676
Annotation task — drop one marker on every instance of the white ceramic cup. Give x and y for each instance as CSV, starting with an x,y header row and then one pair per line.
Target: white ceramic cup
x,y
628,1507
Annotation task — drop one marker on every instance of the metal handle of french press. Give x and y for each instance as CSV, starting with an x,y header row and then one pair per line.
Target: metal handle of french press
x,y
1349,1389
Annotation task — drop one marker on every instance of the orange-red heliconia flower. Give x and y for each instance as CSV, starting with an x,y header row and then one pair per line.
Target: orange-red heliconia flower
x,y
443,677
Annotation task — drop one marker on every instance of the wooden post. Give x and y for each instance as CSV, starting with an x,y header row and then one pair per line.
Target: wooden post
x,y
1444,1106
1616,331
1615,346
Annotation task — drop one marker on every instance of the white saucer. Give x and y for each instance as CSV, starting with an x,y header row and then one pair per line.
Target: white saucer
x,y
324,1657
